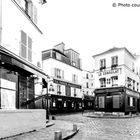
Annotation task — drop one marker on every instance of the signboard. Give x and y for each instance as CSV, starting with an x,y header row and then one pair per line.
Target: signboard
x,y
131,93
8,84
66,83
109,72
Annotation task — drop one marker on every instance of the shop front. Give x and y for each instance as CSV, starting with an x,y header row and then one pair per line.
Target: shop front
x,y
116,99
88,102
16,81
63,104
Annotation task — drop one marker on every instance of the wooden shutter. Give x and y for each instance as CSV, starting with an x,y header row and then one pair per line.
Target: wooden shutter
x,y
30,9
34,14
23,50
29,49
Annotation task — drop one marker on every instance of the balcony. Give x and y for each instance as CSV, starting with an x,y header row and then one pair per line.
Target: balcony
x,y
102,68
114,66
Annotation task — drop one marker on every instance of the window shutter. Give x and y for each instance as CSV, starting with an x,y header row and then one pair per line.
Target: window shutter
x,y
55,72
30,9
23,50
35,14
29,49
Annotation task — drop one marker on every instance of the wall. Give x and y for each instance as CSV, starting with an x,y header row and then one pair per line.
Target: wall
x,y
13,122
68,70
50,64
90,81
13,21
108,56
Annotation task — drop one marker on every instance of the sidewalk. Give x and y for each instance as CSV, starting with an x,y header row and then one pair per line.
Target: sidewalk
x,y
109,115
48,133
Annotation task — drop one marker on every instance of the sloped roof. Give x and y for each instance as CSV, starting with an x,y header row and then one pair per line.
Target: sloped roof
x,y
113,50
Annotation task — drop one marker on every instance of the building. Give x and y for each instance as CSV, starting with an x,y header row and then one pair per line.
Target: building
x,y
88,89
117,81
64,68
20,55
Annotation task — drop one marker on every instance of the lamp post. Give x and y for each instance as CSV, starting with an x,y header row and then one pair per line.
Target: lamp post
x,y
47,106
47,96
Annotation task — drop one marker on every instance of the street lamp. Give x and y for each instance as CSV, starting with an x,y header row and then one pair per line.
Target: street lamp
x,y
45,85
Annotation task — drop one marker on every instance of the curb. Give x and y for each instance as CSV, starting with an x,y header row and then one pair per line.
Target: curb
x,y
112,117
70,135
50,124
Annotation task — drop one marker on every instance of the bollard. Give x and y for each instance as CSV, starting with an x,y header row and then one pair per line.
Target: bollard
x,y
57,135
53,117
74,127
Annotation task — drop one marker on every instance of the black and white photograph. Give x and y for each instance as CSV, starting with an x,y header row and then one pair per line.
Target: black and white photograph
x,y
69,70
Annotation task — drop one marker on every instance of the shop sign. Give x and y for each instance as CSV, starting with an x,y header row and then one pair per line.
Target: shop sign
x,y
66,83
109,72
131,93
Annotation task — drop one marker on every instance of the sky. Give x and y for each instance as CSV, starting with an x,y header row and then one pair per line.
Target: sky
x,y
91,27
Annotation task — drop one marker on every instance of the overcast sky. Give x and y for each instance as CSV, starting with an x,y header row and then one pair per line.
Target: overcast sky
x,y
91,26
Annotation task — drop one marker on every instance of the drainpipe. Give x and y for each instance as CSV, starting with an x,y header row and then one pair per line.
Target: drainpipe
x,y
0,21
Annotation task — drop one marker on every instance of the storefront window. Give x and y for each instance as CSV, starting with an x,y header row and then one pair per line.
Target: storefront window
x,y
8,88
116,101
101,102
130,101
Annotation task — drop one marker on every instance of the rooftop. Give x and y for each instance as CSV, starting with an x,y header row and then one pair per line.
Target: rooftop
x,y
113,50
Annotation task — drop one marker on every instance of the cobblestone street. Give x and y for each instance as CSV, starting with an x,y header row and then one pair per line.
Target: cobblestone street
x,y
104,129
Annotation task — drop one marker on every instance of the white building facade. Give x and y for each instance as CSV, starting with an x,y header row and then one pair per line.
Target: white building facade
x,y
88,88
20,55
64,68
117,81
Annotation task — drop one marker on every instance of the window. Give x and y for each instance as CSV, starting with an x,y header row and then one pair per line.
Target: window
x,y
75,92
137,86
114,80
134,101
102,64
29,9
87,85
130,101
87,76
102,82
114,62
26,46
101,102
59,73
133,69
108,81
129,80
74,78
133,84
58,89
116,101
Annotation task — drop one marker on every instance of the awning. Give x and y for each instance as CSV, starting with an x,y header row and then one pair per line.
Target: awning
x,y
11,58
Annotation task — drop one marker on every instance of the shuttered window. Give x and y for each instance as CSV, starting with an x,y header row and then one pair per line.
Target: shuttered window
x,y
35,14
23,44
26,46
58,73
29,49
